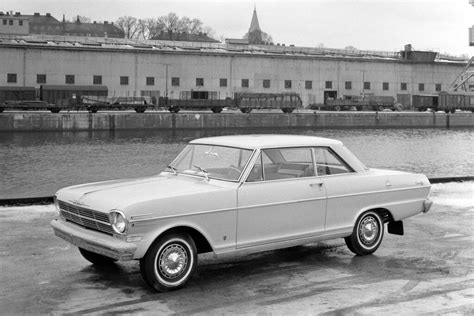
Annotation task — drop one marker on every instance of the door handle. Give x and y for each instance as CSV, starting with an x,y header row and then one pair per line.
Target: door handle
x,y
317,184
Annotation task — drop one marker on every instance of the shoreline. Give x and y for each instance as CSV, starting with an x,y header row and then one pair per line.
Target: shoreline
x,y
112,121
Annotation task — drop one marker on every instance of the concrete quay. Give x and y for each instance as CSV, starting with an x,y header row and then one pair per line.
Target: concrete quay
x,y
83,121
428,271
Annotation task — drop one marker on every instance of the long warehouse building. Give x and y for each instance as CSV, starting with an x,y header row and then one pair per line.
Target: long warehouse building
x,y
181,70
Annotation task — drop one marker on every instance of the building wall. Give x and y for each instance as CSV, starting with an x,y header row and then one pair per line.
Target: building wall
x,y
27,62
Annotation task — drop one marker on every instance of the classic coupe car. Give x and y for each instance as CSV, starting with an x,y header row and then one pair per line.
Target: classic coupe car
x,y
237,194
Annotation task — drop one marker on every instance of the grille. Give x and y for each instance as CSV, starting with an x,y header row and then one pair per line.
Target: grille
x,y
87,218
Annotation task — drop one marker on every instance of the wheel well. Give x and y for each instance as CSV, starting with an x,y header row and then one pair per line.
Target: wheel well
x,y
202,245
384,214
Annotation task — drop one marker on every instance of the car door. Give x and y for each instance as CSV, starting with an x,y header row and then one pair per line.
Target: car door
x,y
282,199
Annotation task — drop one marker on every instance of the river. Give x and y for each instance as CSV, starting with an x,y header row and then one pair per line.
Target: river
x,y
37,164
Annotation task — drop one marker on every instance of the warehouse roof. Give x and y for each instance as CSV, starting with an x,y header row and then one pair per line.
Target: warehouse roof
x,y
98,43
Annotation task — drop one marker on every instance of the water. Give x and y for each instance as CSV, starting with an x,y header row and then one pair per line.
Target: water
x,y
37,164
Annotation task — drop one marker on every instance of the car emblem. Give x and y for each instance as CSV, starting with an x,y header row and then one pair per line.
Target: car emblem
x,y
77,202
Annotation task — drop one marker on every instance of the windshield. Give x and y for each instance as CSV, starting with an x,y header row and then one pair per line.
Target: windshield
x,y
217,162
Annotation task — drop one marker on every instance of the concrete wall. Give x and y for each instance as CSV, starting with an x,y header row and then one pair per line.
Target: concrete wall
x,y
13,122
28,61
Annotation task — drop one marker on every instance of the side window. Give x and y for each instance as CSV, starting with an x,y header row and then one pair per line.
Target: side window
x,y
287,163
328,163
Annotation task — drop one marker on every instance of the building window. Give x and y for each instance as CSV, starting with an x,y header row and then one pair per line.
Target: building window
x,y
245,83
199,82
308,84
223,82
40,78
403,86
348,85
97,79
366,85
385,86
69,79
150,81
421,87
11,78
438,87
328,84
287,84
124,80
266,83
175,81
10,22
20,23
4,22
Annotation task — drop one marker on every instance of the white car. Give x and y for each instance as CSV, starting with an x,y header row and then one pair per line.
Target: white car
x,y
238,194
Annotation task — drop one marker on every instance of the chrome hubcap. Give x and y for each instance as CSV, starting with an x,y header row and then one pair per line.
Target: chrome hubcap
x,y
173,261
368,230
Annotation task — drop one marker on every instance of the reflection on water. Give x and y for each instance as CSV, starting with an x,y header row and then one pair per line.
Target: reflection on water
x,y
37,164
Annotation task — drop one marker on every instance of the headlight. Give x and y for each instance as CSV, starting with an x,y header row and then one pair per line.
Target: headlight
x,y
118,221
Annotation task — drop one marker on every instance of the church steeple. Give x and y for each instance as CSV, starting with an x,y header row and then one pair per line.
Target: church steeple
x,y
255,33
254,26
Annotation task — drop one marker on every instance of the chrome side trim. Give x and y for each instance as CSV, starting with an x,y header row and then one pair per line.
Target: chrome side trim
x,y
151,218
377,192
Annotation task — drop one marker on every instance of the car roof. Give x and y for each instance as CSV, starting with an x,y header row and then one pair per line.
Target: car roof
x,y
266,141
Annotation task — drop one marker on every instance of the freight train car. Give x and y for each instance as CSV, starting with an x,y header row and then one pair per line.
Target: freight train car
x,y
68,96
367,102
245,101
447,101
452,101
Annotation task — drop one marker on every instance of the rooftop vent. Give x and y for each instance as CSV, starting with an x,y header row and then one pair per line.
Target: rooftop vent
x,y
106,22
48,14
36,14
17,13
1,13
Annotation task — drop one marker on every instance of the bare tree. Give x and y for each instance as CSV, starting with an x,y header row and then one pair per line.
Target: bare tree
x,y
84,19
264,38
129,26
194,26
170,23
149,28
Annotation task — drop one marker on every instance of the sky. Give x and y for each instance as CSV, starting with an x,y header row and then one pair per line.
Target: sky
x,y
382,25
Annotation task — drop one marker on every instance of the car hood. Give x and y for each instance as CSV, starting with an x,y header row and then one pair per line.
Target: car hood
x,y
123,194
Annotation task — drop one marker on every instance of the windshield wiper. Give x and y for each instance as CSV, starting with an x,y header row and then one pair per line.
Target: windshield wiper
x,y
174,169
204,171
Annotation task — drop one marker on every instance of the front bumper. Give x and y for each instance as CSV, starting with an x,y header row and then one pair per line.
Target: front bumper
x,y
93,241
427,205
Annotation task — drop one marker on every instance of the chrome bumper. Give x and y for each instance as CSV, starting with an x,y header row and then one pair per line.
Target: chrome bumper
x,y
93,241
427,205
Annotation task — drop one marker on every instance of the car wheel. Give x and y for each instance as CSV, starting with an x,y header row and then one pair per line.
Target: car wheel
x,y
367,234
97,259
170,262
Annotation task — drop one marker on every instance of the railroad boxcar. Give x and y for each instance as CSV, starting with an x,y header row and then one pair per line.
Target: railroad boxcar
x,y
449,101
9,93
248,101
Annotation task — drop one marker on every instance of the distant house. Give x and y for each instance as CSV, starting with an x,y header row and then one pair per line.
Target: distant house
x,y
94,29
186,37
25,24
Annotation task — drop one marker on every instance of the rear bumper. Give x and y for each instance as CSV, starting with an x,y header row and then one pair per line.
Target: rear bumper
x,y
93,241
427,203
